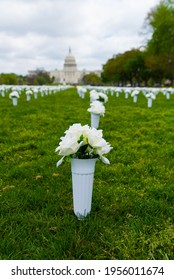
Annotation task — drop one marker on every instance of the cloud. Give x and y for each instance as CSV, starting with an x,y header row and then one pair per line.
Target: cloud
x,y
38,33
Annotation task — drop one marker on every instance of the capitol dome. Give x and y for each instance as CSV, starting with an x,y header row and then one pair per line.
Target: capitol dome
x,y
70,63
70,74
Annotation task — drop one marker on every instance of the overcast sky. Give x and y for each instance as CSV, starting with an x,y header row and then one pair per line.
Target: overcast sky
x,y
38,33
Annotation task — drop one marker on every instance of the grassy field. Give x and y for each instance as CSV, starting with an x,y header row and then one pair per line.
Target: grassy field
x,y
133,198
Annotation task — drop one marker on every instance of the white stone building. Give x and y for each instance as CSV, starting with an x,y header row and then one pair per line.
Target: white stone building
x,y
70,74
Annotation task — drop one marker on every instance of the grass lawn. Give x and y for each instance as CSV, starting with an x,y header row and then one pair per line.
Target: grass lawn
x,y
133,198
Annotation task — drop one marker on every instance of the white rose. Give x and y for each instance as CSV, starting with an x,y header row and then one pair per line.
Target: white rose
x,y
104,96
135,92
150,95
14,94
76,130
94,136
97,107
93,95
104,149
68,146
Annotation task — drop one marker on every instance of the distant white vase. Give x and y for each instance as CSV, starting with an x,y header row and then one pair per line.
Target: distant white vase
x,y
167,95
117,94
135,98
82,185
28,97
35,95
82,94
14,101
95,119
126,95
149,104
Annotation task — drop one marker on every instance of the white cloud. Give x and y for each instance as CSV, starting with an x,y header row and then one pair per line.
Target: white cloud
x,y
38,33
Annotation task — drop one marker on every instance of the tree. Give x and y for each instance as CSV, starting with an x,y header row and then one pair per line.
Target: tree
x,y
11,79
113,70
39,77
124,68
160,47
161,20
92,79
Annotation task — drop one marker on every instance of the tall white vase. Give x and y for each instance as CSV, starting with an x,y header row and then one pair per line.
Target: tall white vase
x,y
135,98
28,97
149,104
95,119
14,101
35,95
167,95
82,94
82,185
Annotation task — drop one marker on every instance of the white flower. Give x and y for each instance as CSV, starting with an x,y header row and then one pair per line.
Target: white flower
x,y
14,94
76,130
97,107
102,97
93,95
68,145
81,90
135,92
29,92
127,90
83,142
150,95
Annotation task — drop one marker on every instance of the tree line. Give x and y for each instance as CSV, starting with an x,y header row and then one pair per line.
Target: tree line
x,y
38,77
152,65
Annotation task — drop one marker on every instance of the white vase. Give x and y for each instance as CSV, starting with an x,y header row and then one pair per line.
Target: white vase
x,y
95,119
135,98
35,95
149,102
14,101
126,95
83,95
167,95
28,97
117,94
82,185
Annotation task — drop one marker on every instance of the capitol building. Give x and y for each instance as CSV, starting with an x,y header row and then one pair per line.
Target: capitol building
x,y
70,73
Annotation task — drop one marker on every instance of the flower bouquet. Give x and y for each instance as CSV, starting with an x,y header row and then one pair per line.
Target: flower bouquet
x,y
102,97
28,94
14,95
81,91
96,109
99,96
134,94
150,96
83,145
35,90
127,92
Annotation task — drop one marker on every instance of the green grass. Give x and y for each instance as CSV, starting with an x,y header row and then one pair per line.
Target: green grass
x,y
133,197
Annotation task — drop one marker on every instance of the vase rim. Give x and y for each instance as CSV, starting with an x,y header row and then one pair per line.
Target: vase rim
x,y
84,159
